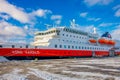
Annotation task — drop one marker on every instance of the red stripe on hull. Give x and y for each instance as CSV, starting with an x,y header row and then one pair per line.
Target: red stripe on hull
x,y
102,53
117,53
50,52
43,52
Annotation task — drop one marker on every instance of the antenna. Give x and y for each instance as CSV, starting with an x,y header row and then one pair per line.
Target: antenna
x,y
94,30
47,26
72,23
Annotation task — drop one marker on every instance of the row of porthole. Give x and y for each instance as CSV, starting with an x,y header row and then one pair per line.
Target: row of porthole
x,y
13,46
73,41
74,31
74,36
46,33
76,47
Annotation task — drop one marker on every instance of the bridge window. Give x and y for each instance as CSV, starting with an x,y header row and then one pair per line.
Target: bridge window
x,y
58,33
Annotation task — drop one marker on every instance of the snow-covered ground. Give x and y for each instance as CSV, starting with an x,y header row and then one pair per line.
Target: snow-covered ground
x,y
62,69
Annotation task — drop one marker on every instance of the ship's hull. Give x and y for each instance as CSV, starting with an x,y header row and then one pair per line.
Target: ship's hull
x,y
23,52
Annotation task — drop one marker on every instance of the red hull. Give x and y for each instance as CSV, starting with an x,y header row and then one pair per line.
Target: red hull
x,y
50,52
117,53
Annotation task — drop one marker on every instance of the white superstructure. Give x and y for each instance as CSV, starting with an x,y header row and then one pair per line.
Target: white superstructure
x,y
68,38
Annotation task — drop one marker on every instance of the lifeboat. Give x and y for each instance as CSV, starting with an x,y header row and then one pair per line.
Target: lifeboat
x,y
92,41
111,42
103,41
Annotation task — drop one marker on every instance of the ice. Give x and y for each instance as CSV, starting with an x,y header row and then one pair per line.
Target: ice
x,y
93,67
14,75
84,74
50,76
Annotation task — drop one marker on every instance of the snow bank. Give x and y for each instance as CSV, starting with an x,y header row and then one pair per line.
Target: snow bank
x,y
14,75
3,59
50,76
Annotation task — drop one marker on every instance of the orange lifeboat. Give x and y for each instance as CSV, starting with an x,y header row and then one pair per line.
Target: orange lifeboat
x,y
111,42
103,41
92,40
106,41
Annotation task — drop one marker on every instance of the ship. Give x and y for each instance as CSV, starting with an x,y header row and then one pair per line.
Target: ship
x,y
63,42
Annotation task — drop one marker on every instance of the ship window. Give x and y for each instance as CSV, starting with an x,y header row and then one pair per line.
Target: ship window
x,y
55,46
64,46
68,46
73,47
26,46
76,47
41,33
60,46
13,46
79,47
35,46
57,33
20,46
63,34
0,46
82,47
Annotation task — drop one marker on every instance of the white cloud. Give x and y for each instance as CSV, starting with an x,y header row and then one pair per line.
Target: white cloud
x,y
116,33
9,30
117,10
15,12
116,7
89,28
5,17
117,13
86,28
12,33
97,2
107,24
84,14
54,17
57,19
94,19
41,12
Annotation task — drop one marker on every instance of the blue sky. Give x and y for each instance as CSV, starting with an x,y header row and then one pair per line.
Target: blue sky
x,y
19,19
